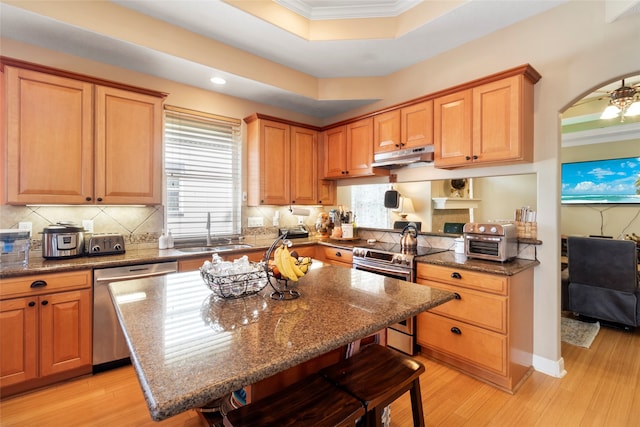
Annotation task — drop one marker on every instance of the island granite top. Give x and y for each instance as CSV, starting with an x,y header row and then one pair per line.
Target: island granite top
x,y
189,347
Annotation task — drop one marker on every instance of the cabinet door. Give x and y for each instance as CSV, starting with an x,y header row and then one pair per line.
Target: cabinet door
x,y
304,166
65,331
128,147
327,192
386,132
360,148
452,129
335,151
49,138
18,340
497,121
275,163
417,125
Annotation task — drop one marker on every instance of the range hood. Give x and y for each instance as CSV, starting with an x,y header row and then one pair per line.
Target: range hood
x,y
404,157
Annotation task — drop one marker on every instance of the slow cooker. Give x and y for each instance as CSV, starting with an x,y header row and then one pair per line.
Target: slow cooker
x,y
62,241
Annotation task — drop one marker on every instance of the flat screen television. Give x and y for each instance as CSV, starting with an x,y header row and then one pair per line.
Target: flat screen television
x,y
614,181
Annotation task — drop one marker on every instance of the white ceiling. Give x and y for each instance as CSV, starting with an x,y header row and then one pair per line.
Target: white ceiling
x,y
225,23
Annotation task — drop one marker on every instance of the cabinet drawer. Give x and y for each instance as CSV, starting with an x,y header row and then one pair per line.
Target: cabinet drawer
x,y
478,308
469,279
478,346
45,283
335,254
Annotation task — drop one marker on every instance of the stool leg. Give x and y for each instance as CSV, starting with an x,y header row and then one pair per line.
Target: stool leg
x,y
416,404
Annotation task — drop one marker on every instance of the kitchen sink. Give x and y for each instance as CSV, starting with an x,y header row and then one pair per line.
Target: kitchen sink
x,y
219,248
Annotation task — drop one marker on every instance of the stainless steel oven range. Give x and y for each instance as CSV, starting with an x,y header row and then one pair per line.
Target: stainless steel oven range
x,y
389,259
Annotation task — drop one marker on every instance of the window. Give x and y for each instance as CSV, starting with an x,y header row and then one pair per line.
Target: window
x,y
202,169
367,201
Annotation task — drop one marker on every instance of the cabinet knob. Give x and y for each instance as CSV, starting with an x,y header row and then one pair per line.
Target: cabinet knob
x,y
457,295
467,157
99,199
32,303
475,157
456,275
456,331
293,202
319,202
338,254
398,145
45,302
88,199
39,284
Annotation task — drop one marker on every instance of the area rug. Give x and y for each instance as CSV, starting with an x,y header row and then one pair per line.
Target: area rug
x,y
578,333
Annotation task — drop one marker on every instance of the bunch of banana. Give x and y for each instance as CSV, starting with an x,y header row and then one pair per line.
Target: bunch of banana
x,y
289,267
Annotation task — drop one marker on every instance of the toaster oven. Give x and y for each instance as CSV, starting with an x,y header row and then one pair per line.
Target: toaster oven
x,y
494,242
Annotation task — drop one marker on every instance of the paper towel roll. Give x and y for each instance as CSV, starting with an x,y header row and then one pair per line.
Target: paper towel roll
x,y
300,211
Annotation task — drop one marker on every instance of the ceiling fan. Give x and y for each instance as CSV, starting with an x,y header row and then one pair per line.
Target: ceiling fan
x,y
623,101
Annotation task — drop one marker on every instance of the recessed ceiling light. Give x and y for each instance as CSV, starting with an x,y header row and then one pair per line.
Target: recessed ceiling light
x,y
218,80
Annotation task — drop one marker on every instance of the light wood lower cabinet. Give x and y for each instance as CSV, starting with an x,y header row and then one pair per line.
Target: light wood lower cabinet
x,y
487,331
45,329
334,256
192,264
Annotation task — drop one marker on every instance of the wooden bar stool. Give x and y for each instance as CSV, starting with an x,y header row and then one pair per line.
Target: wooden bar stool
x,y
313,401
377,376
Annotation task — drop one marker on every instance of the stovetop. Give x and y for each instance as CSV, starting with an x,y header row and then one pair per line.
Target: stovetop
x,y
395,248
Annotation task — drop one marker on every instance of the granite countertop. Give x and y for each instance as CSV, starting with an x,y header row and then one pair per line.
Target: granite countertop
x,y
39,265
189,348
452,259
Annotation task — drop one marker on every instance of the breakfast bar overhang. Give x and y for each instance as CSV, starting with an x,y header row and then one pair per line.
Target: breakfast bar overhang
x,y
189,347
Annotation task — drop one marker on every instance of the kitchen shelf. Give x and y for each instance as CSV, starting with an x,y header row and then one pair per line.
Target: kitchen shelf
x,y
454,203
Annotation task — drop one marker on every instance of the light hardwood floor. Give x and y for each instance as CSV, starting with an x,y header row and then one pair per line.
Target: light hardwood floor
x,y
601,388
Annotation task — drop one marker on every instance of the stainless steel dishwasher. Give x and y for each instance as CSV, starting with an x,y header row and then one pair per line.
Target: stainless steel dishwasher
x,y
109,346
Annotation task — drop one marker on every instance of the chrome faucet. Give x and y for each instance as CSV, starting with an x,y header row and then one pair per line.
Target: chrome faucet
x,y
208,228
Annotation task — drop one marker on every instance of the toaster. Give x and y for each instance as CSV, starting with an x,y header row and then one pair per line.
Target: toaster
x,y
104,244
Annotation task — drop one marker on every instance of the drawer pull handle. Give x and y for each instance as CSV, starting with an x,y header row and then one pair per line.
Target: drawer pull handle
x,y
32,303
45,302
457,295
39,284
456,275
338,254
456,331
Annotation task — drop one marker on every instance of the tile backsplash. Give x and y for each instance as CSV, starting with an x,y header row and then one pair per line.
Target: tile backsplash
x,y
140,225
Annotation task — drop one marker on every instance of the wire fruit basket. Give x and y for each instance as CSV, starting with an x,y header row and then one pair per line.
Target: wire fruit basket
x,y
236,285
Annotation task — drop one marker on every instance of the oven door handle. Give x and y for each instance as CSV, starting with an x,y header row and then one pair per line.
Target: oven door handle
x,y
383,270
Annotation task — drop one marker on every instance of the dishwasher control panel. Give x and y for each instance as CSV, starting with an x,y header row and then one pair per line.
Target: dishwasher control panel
x,y
104,244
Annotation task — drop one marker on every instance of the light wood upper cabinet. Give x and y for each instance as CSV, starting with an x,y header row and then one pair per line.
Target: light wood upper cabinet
x,y
304,166
49,138
386,131
348,151
452,129
282,164
416,125
128,147
269,163
491,123
71,141
402,128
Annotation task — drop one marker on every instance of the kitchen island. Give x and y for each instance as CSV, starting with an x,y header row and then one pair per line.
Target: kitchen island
x,y
189,348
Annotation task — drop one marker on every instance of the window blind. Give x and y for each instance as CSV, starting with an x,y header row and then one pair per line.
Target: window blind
x,y
202,169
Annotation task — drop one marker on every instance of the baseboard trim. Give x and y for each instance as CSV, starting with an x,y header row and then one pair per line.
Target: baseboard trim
x,y
554,368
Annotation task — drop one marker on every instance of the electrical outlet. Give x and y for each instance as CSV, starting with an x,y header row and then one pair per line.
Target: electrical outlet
x,y
26,225
255,221
87,224
300,220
